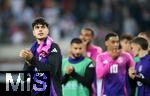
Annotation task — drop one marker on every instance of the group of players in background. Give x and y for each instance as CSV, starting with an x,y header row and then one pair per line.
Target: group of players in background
x,y
122,69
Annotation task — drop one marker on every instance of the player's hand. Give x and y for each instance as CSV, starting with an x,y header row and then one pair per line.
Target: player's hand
x,y
26,54
69,69
132,72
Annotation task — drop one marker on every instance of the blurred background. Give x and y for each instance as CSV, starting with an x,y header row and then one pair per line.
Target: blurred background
x,y
66,18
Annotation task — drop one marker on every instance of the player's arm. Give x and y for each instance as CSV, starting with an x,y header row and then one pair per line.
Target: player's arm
x,y
145,81
55,60
131,66
134,76
65,78
87,79
101,69
131,62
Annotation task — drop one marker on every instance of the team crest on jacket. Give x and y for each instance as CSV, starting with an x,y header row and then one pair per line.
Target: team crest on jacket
x,y
120,60
105,62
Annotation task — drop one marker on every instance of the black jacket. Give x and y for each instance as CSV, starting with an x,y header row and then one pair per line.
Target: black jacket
x,y
53,66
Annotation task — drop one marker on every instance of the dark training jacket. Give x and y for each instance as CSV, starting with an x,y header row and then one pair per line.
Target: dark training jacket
x,y
53,66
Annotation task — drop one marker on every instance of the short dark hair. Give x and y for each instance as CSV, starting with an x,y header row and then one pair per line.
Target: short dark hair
x,y
147,34
89,29
76,40
126,36
39,20
111,34
141,41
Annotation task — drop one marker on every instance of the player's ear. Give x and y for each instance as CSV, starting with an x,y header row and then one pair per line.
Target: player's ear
x,y
106,43
139,49
69,51
33,32
93,36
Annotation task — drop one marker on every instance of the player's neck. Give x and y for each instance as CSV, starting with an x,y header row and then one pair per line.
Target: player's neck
x,y
114,53
143,53
40,41
88,45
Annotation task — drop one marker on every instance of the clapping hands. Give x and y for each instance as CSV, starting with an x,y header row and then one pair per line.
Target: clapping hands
x,y
69,69
26,54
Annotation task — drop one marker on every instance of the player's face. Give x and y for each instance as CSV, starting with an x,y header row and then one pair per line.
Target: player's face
x,y
112,43
40,31
76,49
126,45
135,48
86,36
